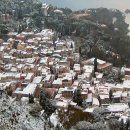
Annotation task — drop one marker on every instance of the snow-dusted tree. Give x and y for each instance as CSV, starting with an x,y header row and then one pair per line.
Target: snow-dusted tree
x,y
77,97
31,98
110,95
114,124
83,125
46,104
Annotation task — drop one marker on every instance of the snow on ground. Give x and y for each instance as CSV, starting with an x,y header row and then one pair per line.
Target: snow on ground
x,y
15,116
54,119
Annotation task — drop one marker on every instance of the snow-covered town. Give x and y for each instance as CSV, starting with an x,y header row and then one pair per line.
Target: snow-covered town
x,y
32,62
47,84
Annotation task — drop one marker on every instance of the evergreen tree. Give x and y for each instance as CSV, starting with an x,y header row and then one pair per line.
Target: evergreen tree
x,y
121,124
71,45
110,95
46,104
127,124
77,97
95,65
80,50
99,99
43,97
31,98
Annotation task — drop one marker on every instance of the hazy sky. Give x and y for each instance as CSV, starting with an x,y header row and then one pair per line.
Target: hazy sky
x,y
81,4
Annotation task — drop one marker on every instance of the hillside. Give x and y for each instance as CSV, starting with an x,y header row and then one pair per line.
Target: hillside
x,y
98,32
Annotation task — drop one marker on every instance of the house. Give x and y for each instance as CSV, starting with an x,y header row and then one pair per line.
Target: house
x,y
102,65
51,92
87,76
21,37
62,104
126,85
6,18
57,83
37,80
48,80
67,92
89,99
117,107
125,71
104,99
99,76
67,79
44,9
84,94
95,102
60,69
12,34
29,78
88,69
117,97
124,97
29,89
105,67
77,68
76,57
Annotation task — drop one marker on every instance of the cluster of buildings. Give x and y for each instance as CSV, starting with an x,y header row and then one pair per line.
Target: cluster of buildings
x,y
31,62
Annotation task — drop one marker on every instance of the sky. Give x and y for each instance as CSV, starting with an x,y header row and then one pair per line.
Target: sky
x,y
81,4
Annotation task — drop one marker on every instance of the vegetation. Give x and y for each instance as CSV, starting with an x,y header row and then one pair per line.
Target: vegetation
x,y
46,104
98,34
72,116
110,95
31,98
83,125
19,15
77,97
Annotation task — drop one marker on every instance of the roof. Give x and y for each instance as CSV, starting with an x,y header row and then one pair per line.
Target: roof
x,y
90,110
58,81
29,75
30,89
95,101
88,68
117,94
104,96
89,98
62,104
99,75
37,80
51,91
126,83
58,11
47,78
98,60
117,107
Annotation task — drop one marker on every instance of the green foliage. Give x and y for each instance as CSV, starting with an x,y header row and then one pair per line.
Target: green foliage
x,y
121,124
73,116
31,98
113,38
46,104
98,114
3,29
114,124
20,10
95,65
110,95
83,125
77,97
